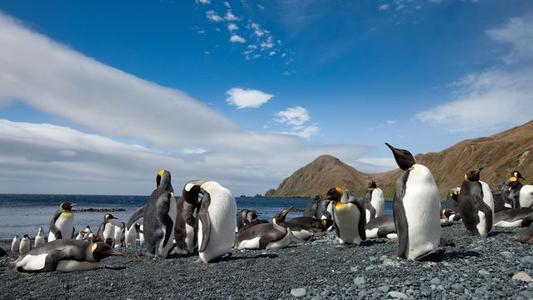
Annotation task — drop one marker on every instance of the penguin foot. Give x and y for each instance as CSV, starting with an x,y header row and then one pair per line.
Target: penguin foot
x,y
435,255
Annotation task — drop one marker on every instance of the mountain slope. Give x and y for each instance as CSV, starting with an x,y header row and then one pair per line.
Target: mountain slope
x,y
499,154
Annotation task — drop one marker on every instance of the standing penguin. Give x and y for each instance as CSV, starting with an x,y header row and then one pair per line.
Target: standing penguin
x,y
159,216
25,245
374,201
39,238
106,232
416,209
185,228
15,244
216,221
119,235
61,225
130,236
350,220
476,205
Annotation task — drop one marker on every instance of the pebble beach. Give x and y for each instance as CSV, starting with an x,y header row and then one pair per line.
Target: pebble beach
x,y
472,267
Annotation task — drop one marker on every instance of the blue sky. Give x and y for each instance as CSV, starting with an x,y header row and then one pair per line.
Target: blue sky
x,y
298,78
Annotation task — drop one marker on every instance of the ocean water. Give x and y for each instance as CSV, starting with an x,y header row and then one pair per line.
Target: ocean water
x,y
23,214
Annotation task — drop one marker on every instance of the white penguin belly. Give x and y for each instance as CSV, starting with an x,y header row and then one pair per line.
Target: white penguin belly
x,y
347,220
172,211
507,224
372,233
32,262
39,241
367,215
222,211
65,224
69,265
482,225
130,237
378,202
284,242
302,235
526,196
109,231
422,209
249,244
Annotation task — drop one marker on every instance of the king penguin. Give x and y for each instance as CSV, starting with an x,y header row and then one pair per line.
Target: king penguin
x,y
216,221
64,255
476,205
39,238
350,220
15,244
416,209
374,201
61,225
106,231
185,229
130,236
159,216
266,235
25,245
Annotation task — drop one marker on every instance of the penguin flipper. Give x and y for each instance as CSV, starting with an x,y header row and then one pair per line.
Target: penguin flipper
x,y
136,216
203,216
53,228
400,218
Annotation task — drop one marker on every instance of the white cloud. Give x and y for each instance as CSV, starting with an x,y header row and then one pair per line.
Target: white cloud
x,y
518,34
380,163
384,6
391,122
295,116
247,98
203,2
226,4
213,16
235,38
232,27
500,97
230,16
257,29
172,130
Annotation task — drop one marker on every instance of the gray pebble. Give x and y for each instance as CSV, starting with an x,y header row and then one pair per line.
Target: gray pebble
x,y
358,281
298,292
397,295
384,288
435,281
522,276
458,288
506,254
483,272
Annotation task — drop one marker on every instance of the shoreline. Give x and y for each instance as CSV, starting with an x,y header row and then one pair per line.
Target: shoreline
x,y
471,267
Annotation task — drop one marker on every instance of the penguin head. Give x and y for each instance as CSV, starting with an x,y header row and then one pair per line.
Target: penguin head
x,y
26,237
372,184
67,206
280,217
101,250
163,179
473,175
108,217
404,158
333,194
517,175
137,227
454,193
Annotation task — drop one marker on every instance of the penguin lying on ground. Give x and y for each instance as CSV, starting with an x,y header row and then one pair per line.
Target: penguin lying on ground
x,y
476,205
381,227
248,217
61,225
64,255
416,209
159,216
448,216
265,236
514,217
299,231
350,220
315,225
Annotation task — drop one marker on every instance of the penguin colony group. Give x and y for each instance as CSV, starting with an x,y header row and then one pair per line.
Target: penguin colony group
x,y
202,221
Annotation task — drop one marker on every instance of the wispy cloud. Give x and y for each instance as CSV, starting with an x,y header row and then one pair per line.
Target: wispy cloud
x,y
247,98
501,96
297,119
203,2
213,16
235,38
